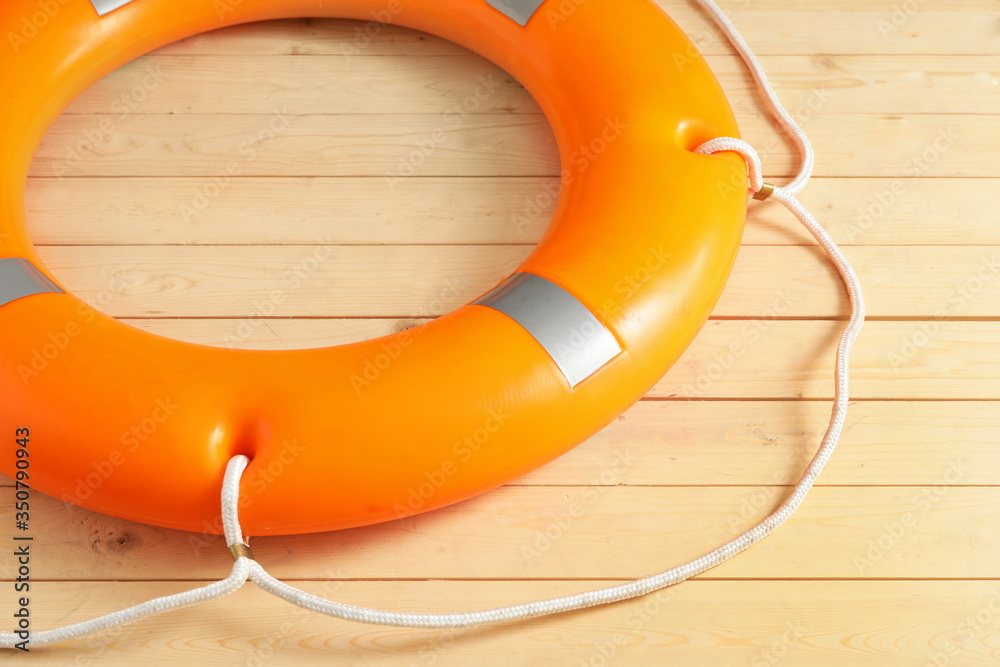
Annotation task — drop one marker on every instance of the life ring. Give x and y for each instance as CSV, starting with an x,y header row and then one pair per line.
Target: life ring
x,y
642,242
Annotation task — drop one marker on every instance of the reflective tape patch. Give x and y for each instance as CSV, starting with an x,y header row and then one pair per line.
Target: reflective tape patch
x,y
19,278
573,337
517,10
107,6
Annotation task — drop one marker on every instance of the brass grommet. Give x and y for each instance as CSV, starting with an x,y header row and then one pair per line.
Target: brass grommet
x,y
764,192
240,550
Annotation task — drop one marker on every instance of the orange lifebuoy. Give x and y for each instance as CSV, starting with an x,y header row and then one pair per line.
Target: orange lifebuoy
x,y
638,252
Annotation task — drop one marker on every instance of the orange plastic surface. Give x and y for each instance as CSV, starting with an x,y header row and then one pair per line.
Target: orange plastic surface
x,y
645,234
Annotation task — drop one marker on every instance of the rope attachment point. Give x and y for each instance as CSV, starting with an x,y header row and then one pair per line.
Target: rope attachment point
x,y
764,193
240,550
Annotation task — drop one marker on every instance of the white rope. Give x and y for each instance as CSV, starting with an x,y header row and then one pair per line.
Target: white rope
x,y
245,568
218,589
771,100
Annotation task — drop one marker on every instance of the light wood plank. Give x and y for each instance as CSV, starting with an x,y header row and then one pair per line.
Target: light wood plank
x,y
258,84
752,443
393,281
313,37
764,443
279,211
700,623
808,85
887,30
775,359
529,532
892,212
393,146
396,146
868,28
819,84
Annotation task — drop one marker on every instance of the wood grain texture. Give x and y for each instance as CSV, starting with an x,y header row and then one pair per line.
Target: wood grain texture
x,y
703,623
448,210
396,146
854,26
439,83
765,443
181,189
942,530
350,281
730,359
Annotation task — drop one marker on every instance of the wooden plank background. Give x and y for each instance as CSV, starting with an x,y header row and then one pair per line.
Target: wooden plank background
x,y
893,560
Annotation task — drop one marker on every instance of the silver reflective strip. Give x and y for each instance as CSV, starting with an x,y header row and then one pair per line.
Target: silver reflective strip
x,y
107,6
20,278
573,337
518,10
